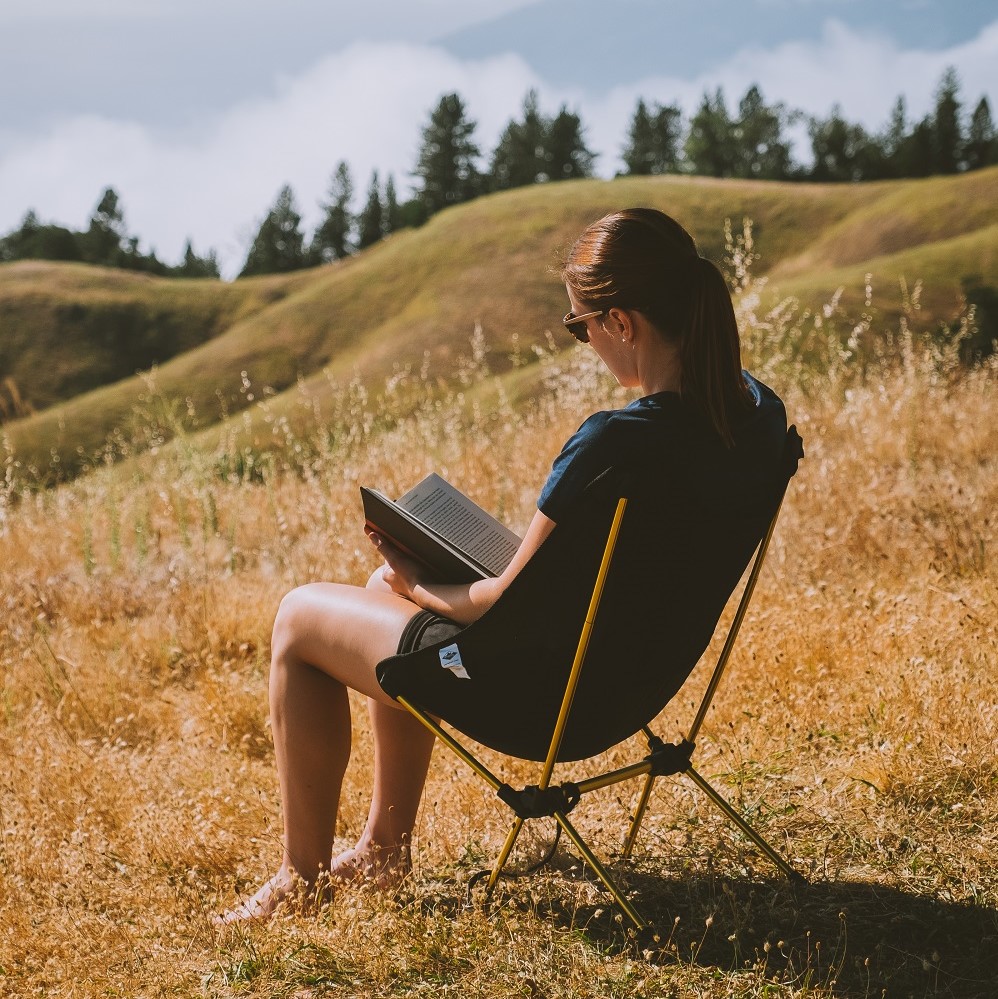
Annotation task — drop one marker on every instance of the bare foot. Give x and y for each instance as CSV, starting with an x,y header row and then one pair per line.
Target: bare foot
x,y
384,867
284,888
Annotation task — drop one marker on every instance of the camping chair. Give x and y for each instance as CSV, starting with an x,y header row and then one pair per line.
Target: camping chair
x,y
576,604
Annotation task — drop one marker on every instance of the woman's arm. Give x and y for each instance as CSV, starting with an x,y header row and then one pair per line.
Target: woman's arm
x,y
461,602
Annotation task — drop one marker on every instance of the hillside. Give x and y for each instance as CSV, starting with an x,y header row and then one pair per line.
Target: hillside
x,y
68,328
416,297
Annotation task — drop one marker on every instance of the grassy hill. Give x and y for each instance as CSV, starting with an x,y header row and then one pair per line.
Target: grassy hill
x,y
68,328
416,297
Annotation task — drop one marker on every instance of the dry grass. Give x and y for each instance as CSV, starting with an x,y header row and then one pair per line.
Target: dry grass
x,y
858,727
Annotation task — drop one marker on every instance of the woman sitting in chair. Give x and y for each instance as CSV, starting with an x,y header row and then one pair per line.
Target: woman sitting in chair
x,y
660,318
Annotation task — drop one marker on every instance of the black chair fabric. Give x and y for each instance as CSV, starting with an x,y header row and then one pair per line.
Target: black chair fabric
x,y
679,556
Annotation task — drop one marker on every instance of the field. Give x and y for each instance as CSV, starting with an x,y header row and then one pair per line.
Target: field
x,y
857,726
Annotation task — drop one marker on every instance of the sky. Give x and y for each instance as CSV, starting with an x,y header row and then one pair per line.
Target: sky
x,y
198,111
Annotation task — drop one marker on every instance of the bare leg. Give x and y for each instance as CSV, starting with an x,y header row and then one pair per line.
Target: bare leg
x,y
402,749
327,638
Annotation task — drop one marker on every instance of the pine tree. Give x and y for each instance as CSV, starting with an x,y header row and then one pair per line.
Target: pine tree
x,y
759,148
331,240
710,147
566,154
371,221
393,212
446,166
920,149
35,240
279,245
520,157
981,148
197,267
947,132
639,153
842,151
106,239
893,142
653,145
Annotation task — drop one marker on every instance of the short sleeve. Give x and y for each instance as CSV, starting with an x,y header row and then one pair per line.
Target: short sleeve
x,y
587,454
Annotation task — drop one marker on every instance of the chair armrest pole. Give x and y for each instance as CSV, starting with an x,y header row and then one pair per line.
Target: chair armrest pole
x,y
729,643
580,653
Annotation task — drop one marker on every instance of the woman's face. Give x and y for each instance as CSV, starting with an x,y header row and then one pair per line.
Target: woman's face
x,y
607,338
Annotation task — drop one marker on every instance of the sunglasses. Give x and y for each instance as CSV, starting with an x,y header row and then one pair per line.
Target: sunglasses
x,y
576,325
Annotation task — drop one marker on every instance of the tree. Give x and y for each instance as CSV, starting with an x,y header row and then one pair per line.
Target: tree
x,y
947,132
758,145
710,142
279,245
198,267
412,213
331,240
106,240
981,148
520,155
446,166
393,211
842,151
892,142
566,154
371,221
918,155
653,145
35,240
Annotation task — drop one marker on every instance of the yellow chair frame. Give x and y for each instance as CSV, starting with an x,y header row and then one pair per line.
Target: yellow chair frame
x,y
663,759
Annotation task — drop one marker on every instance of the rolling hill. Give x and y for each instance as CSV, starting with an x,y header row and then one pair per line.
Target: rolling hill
x,y
415,298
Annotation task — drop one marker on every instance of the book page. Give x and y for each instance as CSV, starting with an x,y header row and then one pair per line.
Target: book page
x,y
446,510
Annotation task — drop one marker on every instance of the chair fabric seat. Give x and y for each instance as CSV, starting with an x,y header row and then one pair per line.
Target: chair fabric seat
x,y
677,561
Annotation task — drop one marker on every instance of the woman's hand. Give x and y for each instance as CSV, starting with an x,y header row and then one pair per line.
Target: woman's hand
x,y
461,602
401,572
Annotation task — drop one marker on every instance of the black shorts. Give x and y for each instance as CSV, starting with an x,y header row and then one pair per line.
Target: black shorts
x,y
426,628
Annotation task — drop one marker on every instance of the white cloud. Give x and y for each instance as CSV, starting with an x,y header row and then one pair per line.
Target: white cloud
x,y
367,104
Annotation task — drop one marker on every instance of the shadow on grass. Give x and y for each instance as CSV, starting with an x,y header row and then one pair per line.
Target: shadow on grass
x,y
847,938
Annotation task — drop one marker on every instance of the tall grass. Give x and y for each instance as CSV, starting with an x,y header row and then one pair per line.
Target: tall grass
x,y
858,725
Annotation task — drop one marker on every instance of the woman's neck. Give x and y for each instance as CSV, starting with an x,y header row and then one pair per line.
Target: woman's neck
x,y
659,367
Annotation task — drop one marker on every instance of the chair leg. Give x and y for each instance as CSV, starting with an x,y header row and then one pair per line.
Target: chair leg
x,y
635,917
739,821
507,849
639,814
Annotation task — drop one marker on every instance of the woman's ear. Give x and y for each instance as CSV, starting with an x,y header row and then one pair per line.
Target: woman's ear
x,y
622,327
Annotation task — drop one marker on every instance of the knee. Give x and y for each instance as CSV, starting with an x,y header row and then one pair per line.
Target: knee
x,y
290,623
376,581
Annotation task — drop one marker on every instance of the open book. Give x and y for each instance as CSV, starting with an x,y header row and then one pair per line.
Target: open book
x,y
438,525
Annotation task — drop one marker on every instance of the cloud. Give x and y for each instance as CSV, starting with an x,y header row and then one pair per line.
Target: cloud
x,y
367,104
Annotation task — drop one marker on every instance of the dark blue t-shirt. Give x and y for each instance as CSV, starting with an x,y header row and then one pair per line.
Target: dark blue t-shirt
x,y
665,442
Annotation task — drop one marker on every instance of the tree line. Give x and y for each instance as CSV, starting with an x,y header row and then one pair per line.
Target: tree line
x,y
752,140
105,241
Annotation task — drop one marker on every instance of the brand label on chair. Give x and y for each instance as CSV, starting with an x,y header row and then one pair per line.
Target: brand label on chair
x,y
450,658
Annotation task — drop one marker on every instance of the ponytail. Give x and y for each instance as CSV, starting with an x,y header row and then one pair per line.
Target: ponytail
x,y
709,352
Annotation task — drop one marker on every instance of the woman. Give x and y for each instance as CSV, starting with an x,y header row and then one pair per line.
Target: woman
x,y
660,318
